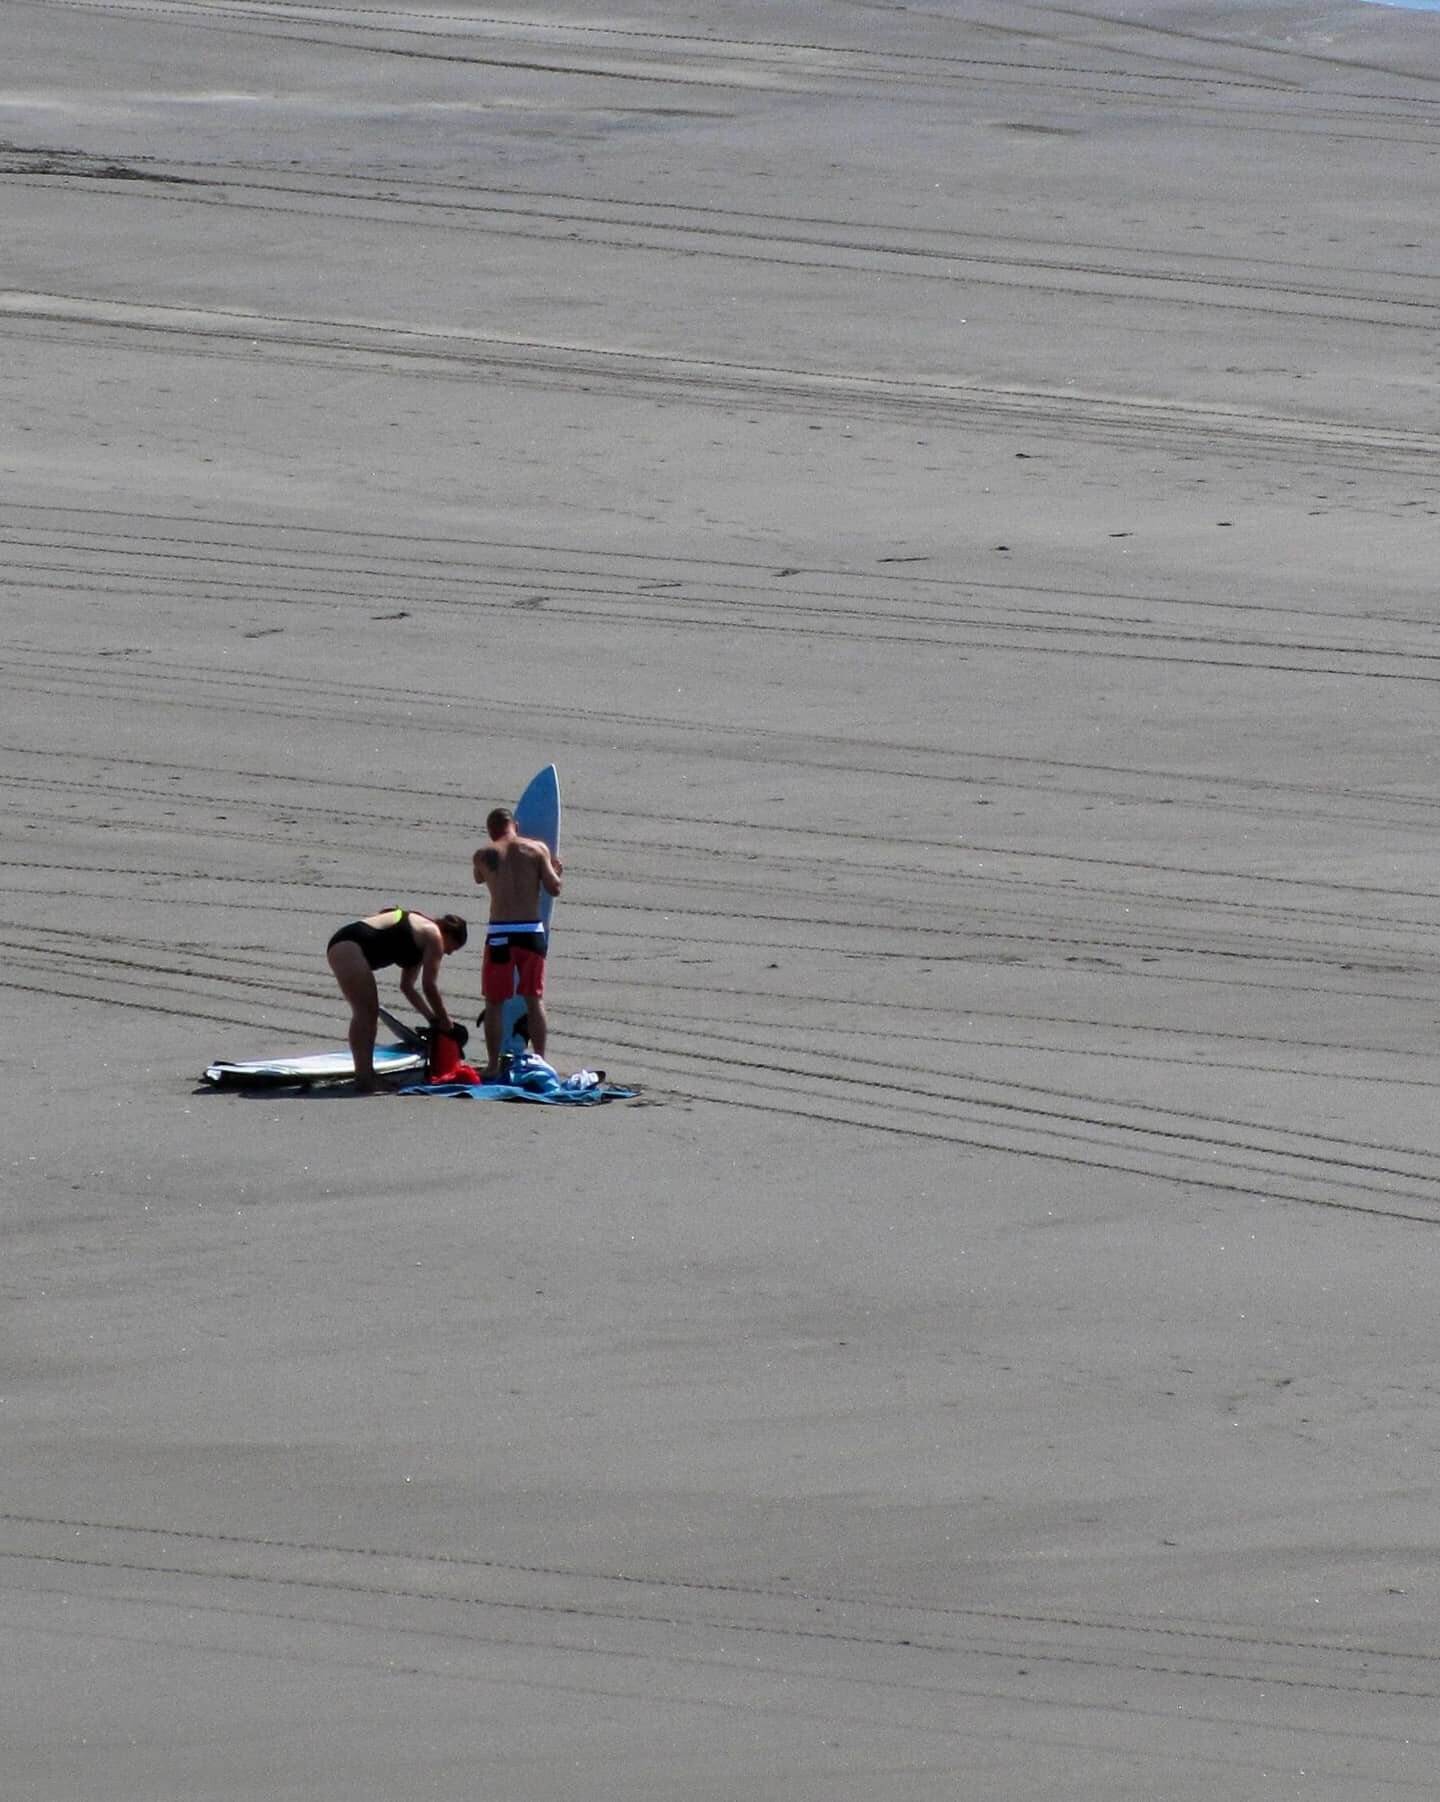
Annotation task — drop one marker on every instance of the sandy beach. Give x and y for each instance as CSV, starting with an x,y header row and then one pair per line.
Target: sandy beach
x,y
953,490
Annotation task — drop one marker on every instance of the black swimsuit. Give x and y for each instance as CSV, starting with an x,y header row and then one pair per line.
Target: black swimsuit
x,y
382,946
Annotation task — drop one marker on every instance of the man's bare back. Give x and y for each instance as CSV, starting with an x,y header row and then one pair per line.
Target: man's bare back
x,y
515,869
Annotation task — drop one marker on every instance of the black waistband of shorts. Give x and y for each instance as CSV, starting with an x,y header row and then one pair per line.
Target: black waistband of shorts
x,y
514,938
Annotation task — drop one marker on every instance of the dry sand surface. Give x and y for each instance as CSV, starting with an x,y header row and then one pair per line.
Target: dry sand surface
x,y
954,490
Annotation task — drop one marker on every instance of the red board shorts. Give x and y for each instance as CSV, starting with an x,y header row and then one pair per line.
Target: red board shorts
x,y
514,962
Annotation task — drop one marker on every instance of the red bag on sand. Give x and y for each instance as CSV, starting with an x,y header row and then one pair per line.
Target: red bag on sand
x,y
445,1065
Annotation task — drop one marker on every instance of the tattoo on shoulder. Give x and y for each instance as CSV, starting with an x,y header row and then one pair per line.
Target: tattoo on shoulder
x,y
490,859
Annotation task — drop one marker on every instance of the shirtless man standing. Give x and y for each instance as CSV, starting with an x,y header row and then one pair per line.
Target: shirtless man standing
x,y
515,870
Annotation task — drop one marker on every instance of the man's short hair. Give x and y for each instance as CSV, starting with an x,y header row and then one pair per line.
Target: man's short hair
x,y
498,820
454,929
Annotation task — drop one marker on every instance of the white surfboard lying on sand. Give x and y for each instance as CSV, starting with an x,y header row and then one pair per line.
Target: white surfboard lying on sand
x,y
403,1058
537,815
319,1066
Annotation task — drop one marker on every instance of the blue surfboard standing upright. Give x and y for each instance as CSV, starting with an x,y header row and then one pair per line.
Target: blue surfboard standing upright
x,y
537,815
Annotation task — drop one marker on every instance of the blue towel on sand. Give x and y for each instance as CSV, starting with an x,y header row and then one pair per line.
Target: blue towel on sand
x,y
529,1078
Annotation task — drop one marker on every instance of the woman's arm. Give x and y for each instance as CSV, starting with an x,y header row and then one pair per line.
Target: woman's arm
x,y
432,950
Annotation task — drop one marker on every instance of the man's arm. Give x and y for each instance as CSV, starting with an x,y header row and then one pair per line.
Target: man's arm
x,y
551,868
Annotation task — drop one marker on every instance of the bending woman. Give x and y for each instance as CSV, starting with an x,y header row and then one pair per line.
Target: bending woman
x,y
413,941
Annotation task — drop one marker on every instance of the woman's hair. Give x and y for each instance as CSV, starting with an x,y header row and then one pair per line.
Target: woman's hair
x,y
454,929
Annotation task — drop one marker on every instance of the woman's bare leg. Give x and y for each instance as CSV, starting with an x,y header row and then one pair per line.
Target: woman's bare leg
x,y
357,985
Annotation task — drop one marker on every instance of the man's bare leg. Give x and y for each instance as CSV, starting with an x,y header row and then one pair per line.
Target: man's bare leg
x,y
494,1017
535,1006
